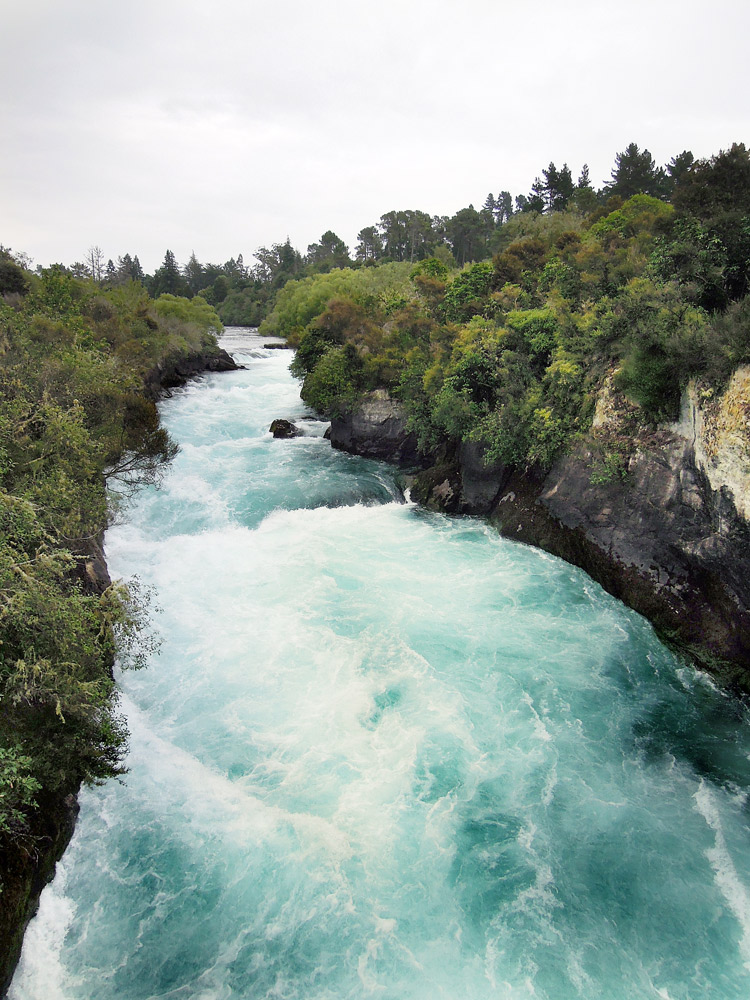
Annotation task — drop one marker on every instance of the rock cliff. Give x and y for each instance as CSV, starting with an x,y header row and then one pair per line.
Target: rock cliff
x,y
376,429
658,516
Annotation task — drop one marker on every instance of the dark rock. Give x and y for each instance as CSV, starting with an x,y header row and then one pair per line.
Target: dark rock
x,y
481,482
276,347
665,543
660,538
438,487
179,369
281,428
377,428
28,865
91,565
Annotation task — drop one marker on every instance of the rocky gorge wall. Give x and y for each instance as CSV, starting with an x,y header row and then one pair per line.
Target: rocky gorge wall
x,y
659,517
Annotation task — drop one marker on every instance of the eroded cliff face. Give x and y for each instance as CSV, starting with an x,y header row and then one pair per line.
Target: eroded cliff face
x,y
658,516
376,428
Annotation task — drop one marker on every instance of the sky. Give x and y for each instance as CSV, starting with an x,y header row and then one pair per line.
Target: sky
x,y
220,127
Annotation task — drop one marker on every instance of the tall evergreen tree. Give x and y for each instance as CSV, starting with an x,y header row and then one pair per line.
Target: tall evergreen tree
x,y
193,274
636,173
369,245
168,279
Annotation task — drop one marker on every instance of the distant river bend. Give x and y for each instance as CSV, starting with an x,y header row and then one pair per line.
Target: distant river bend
x,y
388,754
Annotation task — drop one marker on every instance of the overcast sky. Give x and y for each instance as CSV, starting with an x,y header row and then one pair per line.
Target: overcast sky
x,y
222,126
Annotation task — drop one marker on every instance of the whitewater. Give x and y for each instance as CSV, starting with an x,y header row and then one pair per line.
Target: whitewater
x,y
386,753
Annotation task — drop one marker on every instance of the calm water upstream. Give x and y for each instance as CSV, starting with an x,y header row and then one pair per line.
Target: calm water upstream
x,y
386,753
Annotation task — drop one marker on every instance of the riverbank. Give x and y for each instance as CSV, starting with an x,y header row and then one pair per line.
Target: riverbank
x,y
29,859
657,516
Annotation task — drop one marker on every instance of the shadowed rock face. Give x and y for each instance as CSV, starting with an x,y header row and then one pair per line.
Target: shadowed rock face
x,y
664,541
666,536
376,428
27,868
177,371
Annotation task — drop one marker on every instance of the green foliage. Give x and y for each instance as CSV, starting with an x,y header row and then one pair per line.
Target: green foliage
x,y
467,294
694,259
72,418
641,214
18,789
380,290
661,341
716,186
636,173
244,306
330,388
610,461
12,278
511,353
194,312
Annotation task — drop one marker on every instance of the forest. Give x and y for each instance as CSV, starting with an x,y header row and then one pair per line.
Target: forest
x,y
645,282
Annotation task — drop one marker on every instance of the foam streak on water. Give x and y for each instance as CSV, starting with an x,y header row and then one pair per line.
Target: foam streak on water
x,y
388,754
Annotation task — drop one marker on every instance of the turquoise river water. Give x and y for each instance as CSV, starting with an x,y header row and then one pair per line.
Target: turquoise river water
x,y
385,753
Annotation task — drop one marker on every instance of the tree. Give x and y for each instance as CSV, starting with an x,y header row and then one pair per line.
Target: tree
x,y
94,262
193,274
12,278
719,184
395,241
537,200
503,207
558,187
168,278
636,173
369,245
419,235
467,235
136,271
717,191
584,196
678,167
277,265
329,253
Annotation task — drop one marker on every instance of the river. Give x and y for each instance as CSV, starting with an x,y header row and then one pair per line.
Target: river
x,y
386,753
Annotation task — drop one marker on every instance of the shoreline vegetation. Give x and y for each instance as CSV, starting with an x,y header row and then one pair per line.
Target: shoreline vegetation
x,y
79,369
566,325
587,388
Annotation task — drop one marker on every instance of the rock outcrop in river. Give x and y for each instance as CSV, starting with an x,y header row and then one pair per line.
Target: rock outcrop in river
x,y
377,428
178,369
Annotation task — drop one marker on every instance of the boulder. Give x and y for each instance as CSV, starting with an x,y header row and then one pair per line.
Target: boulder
x,y
376,428
281,428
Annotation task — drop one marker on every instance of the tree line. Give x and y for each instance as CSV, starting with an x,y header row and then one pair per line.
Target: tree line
x,y
511,352
243,294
